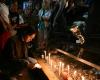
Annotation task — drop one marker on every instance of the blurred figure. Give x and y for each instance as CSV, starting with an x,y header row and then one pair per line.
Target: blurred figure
x,y
44,15
6,30
15,54
93,25
15,15
16,18
59,21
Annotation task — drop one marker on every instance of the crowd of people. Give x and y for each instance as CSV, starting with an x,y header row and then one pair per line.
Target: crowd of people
x,y
16,31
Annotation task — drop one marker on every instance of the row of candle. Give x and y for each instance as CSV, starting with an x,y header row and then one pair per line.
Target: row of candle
x,y
71,73
46,57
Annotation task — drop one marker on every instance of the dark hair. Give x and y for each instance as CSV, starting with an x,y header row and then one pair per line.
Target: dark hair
x,y
26,31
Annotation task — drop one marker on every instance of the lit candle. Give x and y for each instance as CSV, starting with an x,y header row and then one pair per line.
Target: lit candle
x,y
45,54
62,67
60,63
68,68
42,56
75,73
49,57
74,76
46,59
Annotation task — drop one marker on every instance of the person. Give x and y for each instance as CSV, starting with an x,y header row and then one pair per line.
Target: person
x,y
16,18
64,12
44,15
15,54
59,23
6,30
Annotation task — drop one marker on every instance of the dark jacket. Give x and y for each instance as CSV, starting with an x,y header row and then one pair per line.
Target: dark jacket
x,y
14,49
12,57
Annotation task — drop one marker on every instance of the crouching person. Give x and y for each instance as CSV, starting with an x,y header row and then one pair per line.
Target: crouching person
x,y
14,57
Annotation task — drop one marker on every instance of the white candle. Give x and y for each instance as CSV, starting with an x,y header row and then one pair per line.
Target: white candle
x,y
74,76
60,63
42,56
68,68
49,57
62,66
46,59
45,54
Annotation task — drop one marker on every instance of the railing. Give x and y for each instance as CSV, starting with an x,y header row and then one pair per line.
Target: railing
x,y
79,59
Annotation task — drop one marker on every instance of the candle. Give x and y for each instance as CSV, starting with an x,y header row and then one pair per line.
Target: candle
x,y
75,73
68,68
42,56
60,63
49,57
45,54
62,67
46,59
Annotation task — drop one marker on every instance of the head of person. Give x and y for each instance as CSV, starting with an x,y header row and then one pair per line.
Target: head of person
x,y
14,6
28,35
46,4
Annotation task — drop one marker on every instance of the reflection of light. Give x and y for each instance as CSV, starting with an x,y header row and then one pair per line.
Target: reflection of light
x,y
74,29
83,78
25,5
75,72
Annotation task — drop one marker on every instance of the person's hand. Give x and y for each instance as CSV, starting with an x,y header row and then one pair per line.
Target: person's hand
x,y
37,66
32,60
